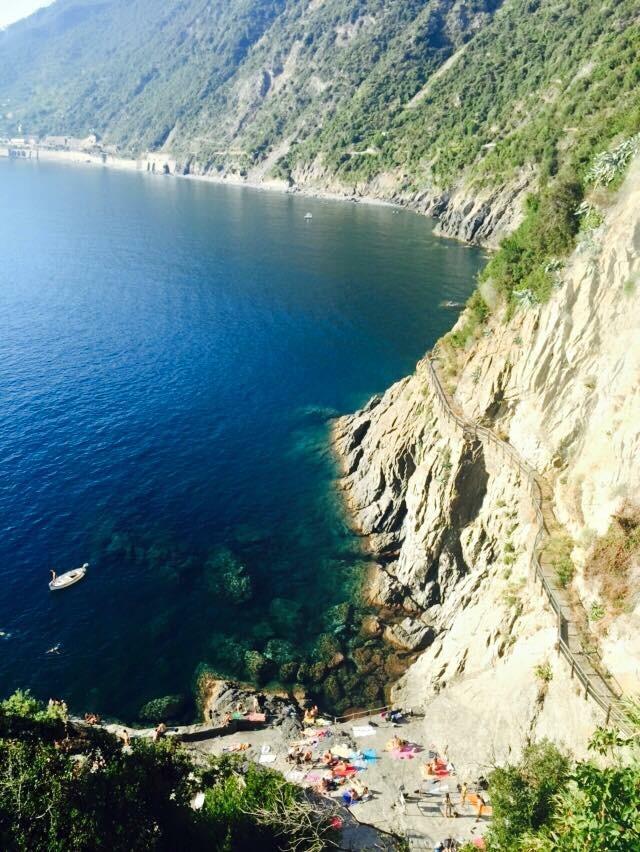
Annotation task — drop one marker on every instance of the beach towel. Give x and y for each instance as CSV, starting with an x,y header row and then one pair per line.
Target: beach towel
x,y
295,776
474,800
198,801
313,732
315,777
342,750
344,773
401,754
363,731
267,758
370,754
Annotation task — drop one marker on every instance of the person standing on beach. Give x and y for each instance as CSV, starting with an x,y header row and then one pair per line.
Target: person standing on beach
x,y
448,806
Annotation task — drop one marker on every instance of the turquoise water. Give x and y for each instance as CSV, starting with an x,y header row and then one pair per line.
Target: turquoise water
x,y
170,352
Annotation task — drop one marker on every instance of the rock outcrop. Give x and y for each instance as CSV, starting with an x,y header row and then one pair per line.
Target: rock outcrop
x,y
453,524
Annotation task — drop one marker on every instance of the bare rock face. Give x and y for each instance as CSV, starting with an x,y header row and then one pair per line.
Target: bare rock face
x,y
453,527
409,635
562,382
221,698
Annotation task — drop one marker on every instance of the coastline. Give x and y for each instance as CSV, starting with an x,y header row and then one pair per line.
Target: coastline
x,y
469,216
154,165
472,218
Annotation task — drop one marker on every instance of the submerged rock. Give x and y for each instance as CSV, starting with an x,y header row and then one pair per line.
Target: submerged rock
x,y
258,667
280,651
227,577
169,708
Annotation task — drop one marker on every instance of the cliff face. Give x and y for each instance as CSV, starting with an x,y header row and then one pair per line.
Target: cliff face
x,y
454,522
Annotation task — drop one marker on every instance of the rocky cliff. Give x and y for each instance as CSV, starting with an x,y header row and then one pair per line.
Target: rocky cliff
x,y
453,522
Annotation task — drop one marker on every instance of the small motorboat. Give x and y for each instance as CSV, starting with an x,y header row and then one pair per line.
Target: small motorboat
x,y
308,216
68,579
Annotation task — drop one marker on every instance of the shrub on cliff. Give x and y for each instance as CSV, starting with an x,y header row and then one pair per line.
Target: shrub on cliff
x,y
614,557
252,808
548,231
522,796
23,715
476,313
547,804
84,791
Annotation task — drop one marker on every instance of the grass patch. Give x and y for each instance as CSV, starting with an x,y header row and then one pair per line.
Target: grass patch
x,y
559,551
476,314
543,672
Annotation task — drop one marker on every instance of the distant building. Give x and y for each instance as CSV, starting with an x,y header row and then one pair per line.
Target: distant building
x,y
90,142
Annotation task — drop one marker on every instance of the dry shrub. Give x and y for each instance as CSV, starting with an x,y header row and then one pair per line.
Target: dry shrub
x,y
614,555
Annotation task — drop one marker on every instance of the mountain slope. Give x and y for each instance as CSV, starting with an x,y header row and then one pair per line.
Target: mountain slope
x,y
405,99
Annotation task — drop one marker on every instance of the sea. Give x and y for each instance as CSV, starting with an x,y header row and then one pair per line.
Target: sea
x,y
172,353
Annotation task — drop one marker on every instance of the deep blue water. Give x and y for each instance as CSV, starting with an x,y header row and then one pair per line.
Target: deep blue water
x,y
169,352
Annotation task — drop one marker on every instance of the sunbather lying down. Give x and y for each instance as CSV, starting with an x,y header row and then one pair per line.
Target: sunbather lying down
x,y
237,747
356,794
395,742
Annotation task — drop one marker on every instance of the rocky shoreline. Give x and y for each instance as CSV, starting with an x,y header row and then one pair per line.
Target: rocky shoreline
x,y
479,217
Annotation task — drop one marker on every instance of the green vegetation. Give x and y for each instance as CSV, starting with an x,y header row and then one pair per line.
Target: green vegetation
x,y
544,672
520,270
559,552
67,788
535,91
522,796
165,709
547,802
350,84
475,315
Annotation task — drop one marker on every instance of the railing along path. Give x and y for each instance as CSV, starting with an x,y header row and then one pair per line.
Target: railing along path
x,y
596,686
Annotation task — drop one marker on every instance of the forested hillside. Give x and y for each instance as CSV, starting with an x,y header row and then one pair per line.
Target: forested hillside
x,y
423,93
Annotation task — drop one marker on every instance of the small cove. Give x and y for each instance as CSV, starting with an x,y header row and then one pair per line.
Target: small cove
x,y
170,352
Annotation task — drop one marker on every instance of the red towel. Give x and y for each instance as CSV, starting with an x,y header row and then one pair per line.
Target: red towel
x,y
344,773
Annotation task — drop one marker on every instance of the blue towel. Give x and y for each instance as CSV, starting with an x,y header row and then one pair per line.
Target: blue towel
x,y
370,754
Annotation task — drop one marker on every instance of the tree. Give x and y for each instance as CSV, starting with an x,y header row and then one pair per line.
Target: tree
x,y
522,796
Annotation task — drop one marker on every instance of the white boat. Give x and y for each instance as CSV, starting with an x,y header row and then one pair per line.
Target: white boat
x,y
69,578
308,216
